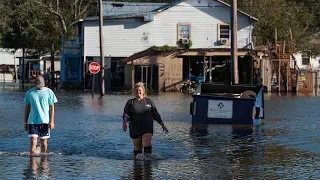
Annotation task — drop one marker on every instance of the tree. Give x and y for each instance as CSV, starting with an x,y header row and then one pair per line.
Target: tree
x,y
62,13
66,11
282,15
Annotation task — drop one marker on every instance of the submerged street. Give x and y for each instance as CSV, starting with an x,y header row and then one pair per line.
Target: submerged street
x,y
88,142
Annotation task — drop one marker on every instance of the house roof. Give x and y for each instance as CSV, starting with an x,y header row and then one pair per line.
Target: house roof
x,y
226,4
175,2
122,16
121,10
167,6
152,52
111,8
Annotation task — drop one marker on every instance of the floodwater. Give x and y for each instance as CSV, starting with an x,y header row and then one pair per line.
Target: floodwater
x,y
88,143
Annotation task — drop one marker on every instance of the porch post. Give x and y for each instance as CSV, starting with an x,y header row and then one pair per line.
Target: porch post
x,y
146,77
279,76
15,67
141,73
204,68
210,66
189,70
151,76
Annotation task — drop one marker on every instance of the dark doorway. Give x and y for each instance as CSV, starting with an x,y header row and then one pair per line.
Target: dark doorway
x,y
117,73
148,74
193,66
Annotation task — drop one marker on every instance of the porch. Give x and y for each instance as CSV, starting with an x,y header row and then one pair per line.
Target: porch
x,y
167,70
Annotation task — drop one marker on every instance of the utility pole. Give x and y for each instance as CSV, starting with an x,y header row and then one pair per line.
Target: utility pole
x,y
102,90
234,46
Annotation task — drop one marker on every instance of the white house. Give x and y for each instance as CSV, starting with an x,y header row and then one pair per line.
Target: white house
x,y
9,63
307,61
132,28
308,72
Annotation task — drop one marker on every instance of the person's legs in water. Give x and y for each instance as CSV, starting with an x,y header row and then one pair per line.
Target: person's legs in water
x,y
33,134
146,142
44,145
137,142
44,135
33,145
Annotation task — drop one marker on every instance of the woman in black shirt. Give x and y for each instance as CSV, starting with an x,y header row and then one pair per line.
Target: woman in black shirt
x,y
140,113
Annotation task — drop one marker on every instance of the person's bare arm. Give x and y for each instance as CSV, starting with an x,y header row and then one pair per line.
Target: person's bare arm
x,y
26,115
51,120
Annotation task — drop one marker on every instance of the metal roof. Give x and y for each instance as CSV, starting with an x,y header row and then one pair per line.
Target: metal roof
x,y
111,8
121,10
175,2
167,6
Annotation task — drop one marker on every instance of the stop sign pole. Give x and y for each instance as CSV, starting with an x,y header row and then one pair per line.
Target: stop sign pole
x,y
94,68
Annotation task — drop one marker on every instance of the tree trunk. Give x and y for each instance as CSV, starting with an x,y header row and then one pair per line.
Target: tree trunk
x,y
52,57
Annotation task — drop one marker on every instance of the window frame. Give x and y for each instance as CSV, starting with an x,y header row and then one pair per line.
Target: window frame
x,y
305,56
179,29
219,32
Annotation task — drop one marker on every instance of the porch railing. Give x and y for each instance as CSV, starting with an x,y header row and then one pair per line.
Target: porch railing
x,y
71,45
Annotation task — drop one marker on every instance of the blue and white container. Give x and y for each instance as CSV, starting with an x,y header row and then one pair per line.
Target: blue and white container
x,y
227,104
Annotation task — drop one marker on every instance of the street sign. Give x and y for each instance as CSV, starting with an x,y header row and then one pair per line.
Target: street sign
x,y
94,67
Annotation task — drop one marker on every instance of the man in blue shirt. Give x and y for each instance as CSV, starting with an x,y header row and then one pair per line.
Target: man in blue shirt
x,y
39,114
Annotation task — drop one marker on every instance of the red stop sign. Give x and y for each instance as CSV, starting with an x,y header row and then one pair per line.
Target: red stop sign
x,y
3,67
94,67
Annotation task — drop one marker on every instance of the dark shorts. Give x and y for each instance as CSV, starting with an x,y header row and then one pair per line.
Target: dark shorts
x,y
36,130
139,129
138,135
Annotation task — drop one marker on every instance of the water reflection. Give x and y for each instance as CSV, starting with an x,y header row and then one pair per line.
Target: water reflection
x,y
225,151
199,129
239,130
142,170
38,168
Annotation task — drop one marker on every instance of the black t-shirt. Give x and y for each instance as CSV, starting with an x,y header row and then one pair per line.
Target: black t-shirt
x,y
141,114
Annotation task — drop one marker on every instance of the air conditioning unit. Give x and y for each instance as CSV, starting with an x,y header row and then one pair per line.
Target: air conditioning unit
x,y
148,17
184,41
223,41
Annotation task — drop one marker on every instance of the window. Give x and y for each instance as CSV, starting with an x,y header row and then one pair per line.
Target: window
x,y
184,31
223,31
305,59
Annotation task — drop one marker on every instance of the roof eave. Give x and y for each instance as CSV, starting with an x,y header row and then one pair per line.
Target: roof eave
x,y
76,22
251,17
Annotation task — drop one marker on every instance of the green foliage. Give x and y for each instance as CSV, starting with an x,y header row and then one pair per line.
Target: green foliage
x,y
21,28
185,46
302,17
164,48
40,24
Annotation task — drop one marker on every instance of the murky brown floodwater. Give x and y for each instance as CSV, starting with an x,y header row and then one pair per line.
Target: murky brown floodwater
x,y
88,142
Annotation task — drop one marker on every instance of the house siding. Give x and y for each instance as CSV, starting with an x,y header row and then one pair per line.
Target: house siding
x,y
314,61
124,37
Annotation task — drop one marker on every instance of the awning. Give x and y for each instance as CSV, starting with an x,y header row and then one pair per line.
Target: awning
x,y
182,52
220,53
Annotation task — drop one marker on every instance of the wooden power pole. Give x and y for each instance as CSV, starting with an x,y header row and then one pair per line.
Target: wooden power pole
x,y
234,45
102,89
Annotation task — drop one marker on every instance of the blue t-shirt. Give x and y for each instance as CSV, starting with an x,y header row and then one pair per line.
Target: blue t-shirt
x,y
39,100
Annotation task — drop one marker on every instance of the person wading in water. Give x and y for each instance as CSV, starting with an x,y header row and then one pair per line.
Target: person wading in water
x,y
39,114
140,113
